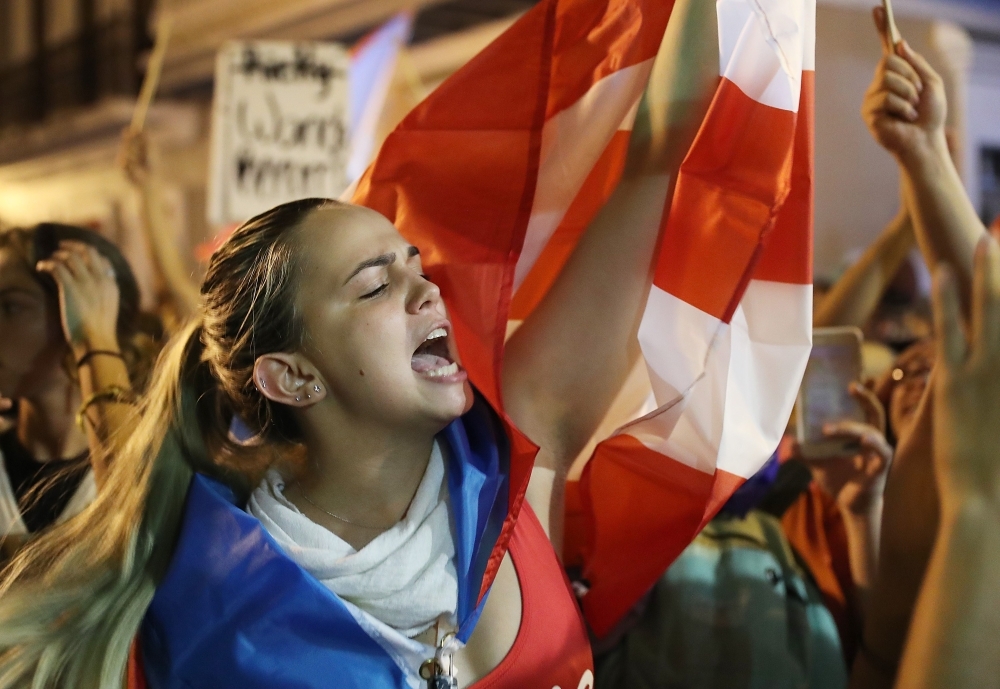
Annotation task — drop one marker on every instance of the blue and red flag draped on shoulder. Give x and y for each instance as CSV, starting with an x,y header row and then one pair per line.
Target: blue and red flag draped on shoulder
x,y
235,611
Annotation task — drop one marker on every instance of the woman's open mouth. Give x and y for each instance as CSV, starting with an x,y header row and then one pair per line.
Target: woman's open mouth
x,y
433,358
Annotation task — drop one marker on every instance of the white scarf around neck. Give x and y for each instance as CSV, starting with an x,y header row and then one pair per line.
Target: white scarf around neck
x,y
405,578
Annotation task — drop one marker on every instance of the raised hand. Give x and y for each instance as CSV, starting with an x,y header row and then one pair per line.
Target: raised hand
x,y
905,105
857,481
967,387
88,296
134,156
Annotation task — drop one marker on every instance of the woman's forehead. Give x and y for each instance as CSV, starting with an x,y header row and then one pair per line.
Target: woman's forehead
x,y
341,236
14,271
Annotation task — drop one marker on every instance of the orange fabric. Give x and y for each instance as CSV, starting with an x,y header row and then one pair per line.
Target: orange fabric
x,y
648,507
729,188
613,33
815,528
596,189
135,678
787,253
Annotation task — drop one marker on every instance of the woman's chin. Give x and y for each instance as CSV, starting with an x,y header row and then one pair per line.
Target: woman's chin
x,y
452,400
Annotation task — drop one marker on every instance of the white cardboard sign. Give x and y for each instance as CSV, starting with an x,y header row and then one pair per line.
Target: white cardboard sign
x,y
279,126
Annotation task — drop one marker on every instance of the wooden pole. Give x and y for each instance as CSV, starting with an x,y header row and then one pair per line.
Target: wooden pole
x,y
153,69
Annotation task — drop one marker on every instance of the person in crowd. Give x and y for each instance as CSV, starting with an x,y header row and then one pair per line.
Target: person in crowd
x,y
69,306
354,526
902,387
905,110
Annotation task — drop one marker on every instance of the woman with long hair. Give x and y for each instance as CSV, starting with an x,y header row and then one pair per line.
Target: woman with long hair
x,y
69,307
314,487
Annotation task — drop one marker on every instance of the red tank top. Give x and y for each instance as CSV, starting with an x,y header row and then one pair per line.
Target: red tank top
x,y
551,650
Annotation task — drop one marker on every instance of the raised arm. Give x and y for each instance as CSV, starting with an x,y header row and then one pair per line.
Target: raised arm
x,y
88,304
571,356
138,161
856,294
952,639
905,110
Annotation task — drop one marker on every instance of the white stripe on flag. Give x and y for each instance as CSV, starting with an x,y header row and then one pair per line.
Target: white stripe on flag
x,y
770,338
809,37
572,142
761,48
732,416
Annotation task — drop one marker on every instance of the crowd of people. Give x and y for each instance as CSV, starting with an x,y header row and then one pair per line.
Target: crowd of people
x,y
296,491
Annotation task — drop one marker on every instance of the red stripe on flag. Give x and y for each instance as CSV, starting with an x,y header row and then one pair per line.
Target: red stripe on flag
x,y
596,189
632,513
729,190
608,36
787,254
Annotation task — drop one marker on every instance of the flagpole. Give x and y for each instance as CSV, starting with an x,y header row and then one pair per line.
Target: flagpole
x,y
153,69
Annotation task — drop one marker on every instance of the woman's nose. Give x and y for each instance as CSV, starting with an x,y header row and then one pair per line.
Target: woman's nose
x,y
425,295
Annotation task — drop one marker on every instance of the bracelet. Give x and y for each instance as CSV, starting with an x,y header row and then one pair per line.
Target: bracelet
x,y
112,393
98,352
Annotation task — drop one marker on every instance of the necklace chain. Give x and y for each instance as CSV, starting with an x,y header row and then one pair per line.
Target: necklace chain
x,y
339,518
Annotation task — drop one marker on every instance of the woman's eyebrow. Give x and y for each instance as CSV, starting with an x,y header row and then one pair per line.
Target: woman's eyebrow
x,y
377,262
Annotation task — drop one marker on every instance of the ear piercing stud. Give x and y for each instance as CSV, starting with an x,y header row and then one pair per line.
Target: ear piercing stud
x,y
315,388
298,399
263,384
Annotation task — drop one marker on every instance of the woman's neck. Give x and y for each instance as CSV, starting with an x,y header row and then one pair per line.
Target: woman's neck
x,y
46,423
365,478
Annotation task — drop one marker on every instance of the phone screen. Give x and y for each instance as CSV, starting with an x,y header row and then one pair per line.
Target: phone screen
x,y
825,397
835,362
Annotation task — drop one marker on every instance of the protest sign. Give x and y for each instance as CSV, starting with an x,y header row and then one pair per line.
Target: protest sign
x,y
279,126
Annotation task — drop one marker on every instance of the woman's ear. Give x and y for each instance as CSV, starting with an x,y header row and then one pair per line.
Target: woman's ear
x,y
287,379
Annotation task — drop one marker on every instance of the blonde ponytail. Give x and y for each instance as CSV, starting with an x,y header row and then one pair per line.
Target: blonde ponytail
x,y
72,601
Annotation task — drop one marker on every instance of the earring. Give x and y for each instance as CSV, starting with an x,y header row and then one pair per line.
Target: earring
x,y
263,384
309,397
315,388
297,399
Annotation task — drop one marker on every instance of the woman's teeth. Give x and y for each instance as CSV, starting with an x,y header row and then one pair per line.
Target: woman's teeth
x,y
449,370
435,334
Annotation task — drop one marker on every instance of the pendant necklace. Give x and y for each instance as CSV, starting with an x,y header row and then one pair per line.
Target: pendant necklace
x,y
439,671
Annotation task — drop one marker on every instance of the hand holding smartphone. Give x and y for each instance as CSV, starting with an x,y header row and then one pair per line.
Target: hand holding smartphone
x,y
824,396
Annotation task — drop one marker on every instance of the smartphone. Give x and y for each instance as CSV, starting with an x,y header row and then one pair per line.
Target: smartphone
x,y
890,20
835,363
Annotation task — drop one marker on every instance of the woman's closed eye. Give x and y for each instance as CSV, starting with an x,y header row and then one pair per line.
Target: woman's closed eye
x,y
375,292
14,307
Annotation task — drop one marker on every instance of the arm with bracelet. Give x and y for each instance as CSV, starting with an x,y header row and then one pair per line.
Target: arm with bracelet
x,y
89,309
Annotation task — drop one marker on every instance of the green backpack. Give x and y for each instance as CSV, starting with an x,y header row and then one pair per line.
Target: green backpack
x,y
736,610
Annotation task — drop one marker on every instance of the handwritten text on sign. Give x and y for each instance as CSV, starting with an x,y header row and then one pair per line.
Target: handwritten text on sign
x,y
279,126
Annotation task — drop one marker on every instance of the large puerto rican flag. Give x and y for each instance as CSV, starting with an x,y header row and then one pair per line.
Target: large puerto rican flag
x,y
497,173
